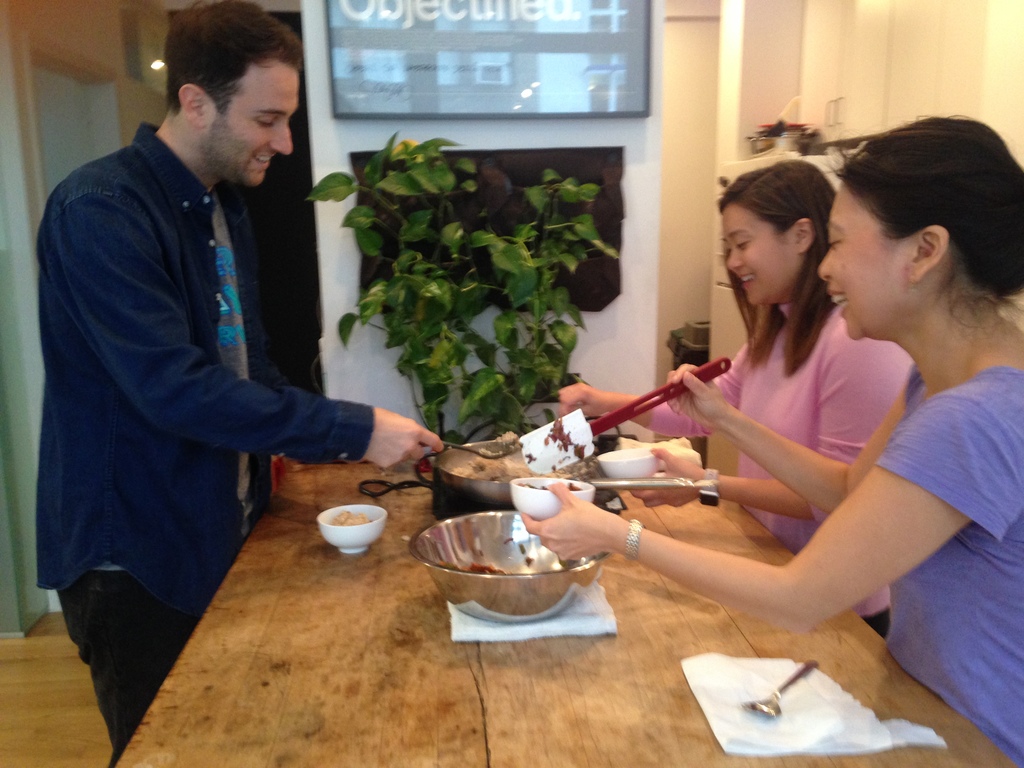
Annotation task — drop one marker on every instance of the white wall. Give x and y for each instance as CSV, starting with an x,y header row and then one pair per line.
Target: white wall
x,y
616,351
688,170
1001,105
21,370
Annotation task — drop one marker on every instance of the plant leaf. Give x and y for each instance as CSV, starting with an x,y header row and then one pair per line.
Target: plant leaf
x,y
435,301
584,227
521,286
482,238
569,191
537,197
441,178
589,191
360,217
400,183
335,186
525,232
453,235
369,241
374,170
441,357
526,385
345,325
564,334
372,302
485,382
407,260
418,227
512,257
434,145
506,329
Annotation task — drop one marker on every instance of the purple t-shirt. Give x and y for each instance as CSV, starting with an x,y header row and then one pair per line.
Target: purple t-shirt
x,y
958,618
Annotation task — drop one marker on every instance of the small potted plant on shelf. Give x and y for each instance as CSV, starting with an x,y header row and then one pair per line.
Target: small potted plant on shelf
x,y
448,256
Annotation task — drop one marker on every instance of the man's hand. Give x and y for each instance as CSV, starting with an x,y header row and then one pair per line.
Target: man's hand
x,y
396,438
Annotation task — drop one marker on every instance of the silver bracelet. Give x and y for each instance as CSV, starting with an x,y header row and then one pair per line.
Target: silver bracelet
x,y
633,539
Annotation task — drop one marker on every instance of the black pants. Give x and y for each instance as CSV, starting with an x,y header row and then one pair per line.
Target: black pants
x,y
129,639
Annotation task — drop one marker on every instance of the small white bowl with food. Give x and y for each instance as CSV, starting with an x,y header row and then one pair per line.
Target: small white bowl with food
x,y
352,528
628,463
532,495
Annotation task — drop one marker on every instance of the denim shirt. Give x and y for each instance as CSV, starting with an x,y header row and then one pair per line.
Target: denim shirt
x,y
142,423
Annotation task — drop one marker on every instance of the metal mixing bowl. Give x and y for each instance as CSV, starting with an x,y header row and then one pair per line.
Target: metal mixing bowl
x,y
532,583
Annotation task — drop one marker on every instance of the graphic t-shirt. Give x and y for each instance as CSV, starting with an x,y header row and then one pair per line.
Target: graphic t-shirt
x,y
231,335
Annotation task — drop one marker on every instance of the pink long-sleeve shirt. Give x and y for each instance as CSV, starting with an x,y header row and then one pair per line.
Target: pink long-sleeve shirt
x,y
832,404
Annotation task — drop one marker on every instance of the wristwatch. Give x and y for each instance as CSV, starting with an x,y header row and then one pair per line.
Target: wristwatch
x,y
708,488
633,539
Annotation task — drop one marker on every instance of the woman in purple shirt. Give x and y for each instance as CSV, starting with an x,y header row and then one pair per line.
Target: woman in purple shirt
x,y
799,373
927,250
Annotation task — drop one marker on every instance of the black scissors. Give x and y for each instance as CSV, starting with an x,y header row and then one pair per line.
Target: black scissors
x,y
377,488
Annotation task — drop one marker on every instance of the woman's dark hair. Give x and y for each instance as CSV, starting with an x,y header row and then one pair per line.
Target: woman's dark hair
x,y
213,44
956,173
781,195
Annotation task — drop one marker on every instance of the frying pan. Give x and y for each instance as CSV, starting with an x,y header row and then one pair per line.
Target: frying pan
x,y
485,491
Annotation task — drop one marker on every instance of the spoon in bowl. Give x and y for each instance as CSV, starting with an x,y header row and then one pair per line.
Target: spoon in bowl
x,y
770,706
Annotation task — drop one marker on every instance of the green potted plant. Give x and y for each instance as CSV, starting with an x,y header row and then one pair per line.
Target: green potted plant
x,y
447,264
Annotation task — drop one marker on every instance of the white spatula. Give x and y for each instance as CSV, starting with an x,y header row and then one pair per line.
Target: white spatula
x,y
570,438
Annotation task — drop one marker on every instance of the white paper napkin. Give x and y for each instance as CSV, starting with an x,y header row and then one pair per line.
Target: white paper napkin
x,y
818,716
588,614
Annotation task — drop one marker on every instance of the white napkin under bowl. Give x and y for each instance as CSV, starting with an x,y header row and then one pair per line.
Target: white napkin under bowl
x,y
588,614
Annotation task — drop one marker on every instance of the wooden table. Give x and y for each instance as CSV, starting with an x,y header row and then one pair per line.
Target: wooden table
x,y
307,657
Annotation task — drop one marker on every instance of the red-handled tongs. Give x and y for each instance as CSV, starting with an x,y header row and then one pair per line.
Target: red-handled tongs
x,y
570,438
662,394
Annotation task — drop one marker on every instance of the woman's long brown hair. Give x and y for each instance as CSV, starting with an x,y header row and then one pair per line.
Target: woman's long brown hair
x,y
781,195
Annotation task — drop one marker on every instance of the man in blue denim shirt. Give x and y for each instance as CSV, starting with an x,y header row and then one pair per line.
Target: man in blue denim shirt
x,y
161,407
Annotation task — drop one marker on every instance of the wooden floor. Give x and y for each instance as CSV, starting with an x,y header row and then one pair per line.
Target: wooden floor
x,y
48,712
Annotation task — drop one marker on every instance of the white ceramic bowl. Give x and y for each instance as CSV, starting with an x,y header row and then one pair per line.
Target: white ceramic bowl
x,y
629,462
352,539
530,495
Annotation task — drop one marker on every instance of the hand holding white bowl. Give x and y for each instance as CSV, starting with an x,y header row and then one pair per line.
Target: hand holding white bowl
x,y
530,495
628,462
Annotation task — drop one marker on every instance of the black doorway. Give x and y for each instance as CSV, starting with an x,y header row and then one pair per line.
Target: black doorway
x,y
285,230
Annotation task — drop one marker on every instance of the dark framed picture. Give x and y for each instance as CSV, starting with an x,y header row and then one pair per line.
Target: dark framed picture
x,y
489,58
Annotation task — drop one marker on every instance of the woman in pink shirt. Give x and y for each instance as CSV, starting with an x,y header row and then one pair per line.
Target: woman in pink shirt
x,y
799,373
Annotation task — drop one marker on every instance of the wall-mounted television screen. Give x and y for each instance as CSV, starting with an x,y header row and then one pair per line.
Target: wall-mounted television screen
x,y
489,58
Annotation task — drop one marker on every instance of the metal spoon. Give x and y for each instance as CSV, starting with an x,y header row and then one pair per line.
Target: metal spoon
x,y
492,449
770,705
